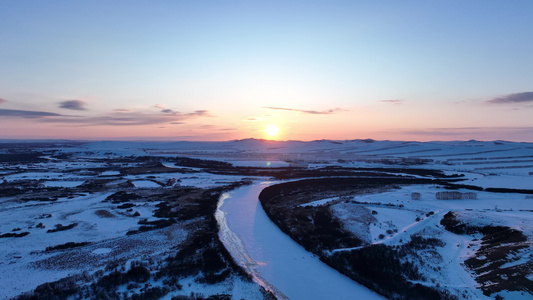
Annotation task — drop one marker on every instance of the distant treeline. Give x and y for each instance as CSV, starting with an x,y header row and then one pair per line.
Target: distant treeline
x,y
22,158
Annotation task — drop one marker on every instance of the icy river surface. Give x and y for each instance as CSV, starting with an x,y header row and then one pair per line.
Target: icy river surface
x,y
273,259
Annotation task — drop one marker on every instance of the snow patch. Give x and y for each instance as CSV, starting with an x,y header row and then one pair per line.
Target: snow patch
x,y
63,183
102,251
145,184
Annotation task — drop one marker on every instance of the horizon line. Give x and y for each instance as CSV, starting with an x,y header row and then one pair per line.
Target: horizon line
x,y
141,140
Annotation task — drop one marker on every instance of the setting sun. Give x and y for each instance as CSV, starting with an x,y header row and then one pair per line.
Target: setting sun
x,y
272,130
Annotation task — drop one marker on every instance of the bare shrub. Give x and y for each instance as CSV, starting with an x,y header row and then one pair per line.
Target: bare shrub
x,y
102,213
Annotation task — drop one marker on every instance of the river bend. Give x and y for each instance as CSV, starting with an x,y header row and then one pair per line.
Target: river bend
x,y
272,258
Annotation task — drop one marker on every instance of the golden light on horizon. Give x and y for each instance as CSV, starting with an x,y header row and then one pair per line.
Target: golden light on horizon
x,y
272,130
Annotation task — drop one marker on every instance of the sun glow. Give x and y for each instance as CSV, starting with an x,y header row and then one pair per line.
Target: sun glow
x,y
272,130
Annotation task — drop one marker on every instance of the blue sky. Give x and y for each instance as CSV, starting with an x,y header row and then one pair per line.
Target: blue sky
x,y
214,70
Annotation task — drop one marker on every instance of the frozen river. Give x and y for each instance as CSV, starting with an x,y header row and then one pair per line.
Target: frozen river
x,y
275,260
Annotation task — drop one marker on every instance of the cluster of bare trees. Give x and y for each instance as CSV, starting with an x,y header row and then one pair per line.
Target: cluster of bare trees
x,y
449,195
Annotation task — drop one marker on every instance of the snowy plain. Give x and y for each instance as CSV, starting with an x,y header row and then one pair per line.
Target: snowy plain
x,y
397,217
497,164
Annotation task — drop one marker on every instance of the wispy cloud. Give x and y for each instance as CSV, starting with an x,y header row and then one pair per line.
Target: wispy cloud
x,y
392,101
2,100
255,119
130,118
29,114
165,110
207,126
117,117
73,105
513,98
199,113
311,112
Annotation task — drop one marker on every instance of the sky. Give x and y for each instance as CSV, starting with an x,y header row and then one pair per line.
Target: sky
x,y
224,70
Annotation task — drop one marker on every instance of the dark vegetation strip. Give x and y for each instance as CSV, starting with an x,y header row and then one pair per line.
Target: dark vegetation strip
x,y
13,234
154,165
506,190
68,245
60,227
22,158
274,192
291,173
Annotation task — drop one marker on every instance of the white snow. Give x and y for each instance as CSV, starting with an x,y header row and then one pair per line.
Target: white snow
x,y
499,181
495,209
102,251
110,173
18,255
145,184
63,183
282,265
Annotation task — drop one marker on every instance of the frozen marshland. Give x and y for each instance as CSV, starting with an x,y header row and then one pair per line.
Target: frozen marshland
x,y
162,220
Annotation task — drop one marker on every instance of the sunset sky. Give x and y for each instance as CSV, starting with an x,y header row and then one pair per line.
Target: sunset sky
x,y
223,70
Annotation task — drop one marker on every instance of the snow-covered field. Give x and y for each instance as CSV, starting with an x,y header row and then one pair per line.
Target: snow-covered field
x,y
393,217
390,218
70,195
25,262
